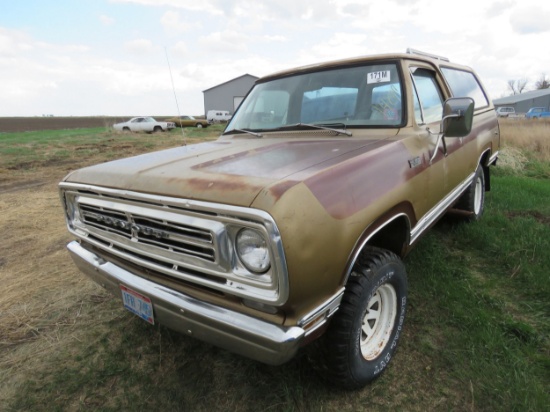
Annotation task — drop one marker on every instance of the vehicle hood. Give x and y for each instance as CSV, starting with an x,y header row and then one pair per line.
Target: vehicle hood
x,y
232,171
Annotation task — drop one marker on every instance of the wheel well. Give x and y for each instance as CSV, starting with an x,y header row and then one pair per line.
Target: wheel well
x,y
486,170
393,236
391,233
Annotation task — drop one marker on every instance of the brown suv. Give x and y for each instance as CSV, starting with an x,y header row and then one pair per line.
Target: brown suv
x,y
290,228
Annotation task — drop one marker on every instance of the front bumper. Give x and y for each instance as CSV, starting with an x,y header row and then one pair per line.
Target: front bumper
x,y
236,332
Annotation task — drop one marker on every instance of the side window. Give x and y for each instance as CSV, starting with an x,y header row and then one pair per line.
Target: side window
x,y
465,84
428,100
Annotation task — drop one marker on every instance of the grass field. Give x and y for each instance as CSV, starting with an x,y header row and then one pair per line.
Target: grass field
x,y
477,335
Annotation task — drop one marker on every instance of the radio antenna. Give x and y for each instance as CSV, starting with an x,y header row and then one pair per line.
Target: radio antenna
x,y
175,97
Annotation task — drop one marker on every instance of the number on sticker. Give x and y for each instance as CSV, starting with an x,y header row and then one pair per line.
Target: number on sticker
x,y
382,76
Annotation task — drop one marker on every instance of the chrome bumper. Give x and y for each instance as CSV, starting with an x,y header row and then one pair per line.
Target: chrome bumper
x,y
236,332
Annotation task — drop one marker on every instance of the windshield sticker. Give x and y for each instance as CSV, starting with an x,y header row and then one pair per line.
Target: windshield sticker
x,y
378,77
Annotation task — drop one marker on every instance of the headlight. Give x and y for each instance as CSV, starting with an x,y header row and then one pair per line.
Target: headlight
x,y
253,251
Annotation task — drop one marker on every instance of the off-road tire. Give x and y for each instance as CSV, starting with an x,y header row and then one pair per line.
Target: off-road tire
x,y
363,334
473,199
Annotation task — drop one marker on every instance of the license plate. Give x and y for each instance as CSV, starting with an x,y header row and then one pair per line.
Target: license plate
x,y
138,304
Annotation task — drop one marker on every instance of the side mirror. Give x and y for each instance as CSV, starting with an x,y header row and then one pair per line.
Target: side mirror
x,y
458,114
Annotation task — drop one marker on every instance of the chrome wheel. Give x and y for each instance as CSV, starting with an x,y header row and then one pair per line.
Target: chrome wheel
x,y
378,322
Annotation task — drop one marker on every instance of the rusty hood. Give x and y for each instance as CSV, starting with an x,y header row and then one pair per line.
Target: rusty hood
x,y
232,171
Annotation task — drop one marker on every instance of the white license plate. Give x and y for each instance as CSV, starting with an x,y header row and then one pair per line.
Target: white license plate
x,y
138,304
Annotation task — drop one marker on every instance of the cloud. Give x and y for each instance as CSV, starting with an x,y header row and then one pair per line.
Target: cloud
x,y
338,46
139,46
180,48
213,41
106,20
530,20
205,6
225,42
13,42
275,38
498,7
174,24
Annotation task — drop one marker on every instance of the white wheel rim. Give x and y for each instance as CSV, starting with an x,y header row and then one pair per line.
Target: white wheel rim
x,y
378,322
477,195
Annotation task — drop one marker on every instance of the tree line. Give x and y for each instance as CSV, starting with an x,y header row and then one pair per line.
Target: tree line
x,y
519,86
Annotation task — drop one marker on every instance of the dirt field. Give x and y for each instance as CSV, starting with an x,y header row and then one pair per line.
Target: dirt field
x,y
27,124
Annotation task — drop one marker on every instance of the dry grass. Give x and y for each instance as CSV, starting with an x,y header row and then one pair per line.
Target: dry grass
x,y
46,307
512,158
531,136
40,294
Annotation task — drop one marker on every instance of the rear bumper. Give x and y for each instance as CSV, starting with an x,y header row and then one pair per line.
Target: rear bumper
x,y
236,332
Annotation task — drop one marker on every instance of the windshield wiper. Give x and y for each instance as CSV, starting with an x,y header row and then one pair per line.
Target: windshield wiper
x,y
329,126
248,131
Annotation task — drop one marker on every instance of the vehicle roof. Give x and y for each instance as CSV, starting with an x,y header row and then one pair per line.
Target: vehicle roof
x,y
363,59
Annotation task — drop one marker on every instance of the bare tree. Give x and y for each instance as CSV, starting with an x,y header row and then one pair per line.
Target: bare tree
x,y
517,86
542,82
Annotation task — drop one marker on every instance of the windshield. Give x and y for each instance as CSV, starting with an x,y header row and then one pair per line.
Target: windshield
x,y
348,97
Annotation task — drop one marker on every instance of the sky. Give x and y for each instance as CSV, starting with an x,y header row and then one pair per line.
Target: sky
x,y
149,57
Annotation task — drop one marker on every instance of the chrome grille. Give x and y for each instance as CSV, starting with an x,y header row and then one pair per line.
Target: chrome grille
x,y
171,236
182,239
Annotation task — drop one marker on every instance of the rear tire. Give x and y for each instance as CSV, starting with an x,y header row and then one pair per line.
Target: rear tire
x,y
363,334
473,200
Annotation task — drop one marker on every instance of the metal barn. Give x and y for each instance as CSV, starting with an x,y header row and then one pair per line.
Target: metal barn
x,y
524,101
228,95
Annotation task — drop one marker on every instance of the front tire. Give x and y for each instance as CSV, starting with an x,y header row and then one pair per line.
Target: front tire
x,y
363,334
199,126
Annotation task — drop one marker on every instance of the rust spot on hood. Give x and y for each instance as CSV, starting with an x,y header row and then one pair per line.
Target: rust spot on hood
x,y
280,189
282,159
227,184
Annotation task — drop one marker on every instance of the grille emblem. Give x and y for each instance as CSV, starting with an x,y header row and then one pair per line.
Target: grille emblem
x,y
124,224
148,231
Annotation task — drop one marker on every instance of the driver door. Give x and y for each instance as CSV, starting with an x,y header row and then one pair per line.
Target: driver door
x,y
447,169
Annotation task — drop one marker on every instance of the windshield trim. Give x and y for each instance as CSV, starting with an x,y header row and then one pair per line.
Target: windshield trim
x,y
398,64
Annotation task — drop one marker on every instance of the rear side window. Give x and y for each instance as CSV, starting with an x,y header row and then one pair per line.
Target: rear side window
x,y
465,84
